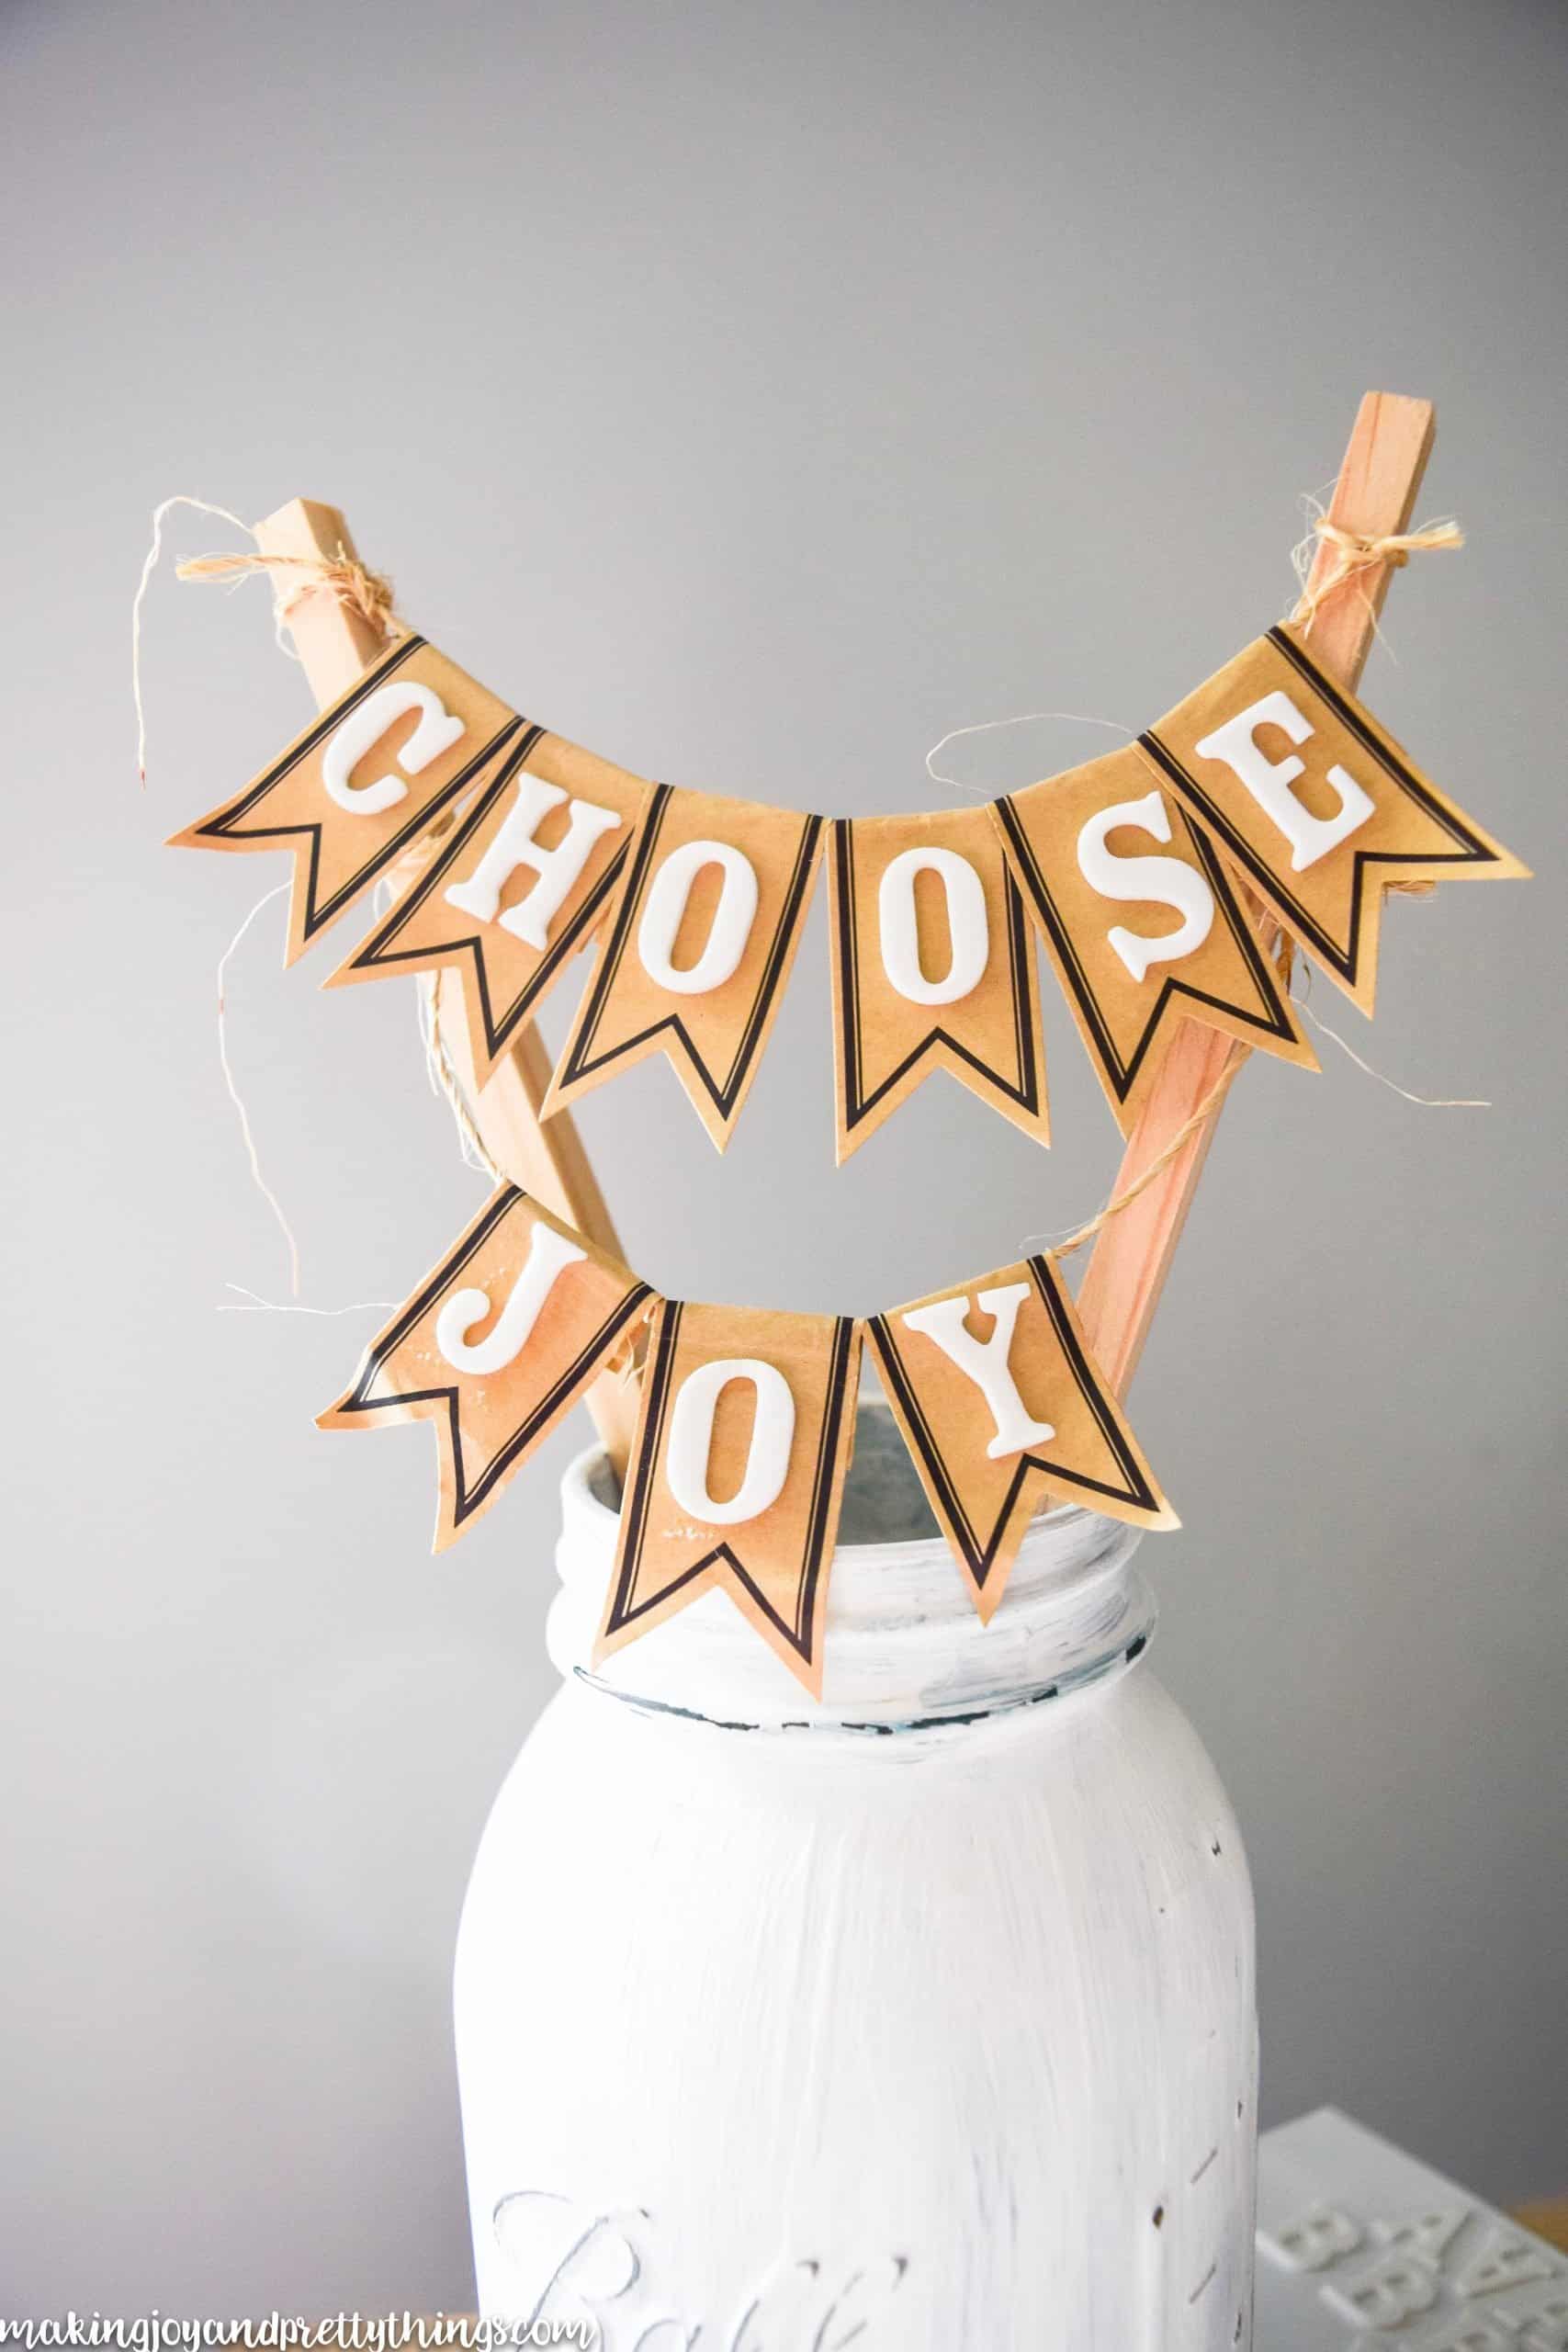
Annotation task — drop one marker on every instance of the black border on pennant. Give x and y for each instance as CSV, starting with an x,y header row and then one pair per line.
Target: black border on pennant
x,y
579,1063
857,1106
980,1554
225,825
468,1500
1123,1076
658,1373
1346,961
374,954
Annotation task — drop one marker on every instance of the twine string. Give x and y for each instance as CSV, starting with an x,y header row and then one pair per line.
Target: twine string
x,y
293,577
1156,1168
1211,1103
366,593
1355,553
442,1080
149,566
991,726
263,1187
251,1302
1422,1101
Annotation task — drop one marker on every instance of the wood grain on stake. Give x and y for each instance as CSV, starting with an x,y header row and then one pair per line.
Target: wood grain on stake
x,y
1374,496
335,643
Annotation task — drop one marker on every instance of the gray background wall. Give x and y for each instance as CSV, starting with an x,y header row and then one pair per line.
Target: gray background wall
x,y
754,394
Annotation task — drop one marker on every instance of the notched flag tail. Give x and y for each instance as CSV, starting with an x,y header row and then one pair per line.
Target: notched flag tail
x,y
1001,1402
709,1013
364,781
934,968
496,1345
1106,855
780,1470
1313,803
525,880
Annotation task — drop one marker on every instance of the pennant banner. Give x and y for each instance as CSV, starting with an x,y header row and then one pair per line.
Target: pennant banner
x,y
737,1473
1319,808
1269,776
998,1398
519,885
1106,857
745,1418
494,1347
361,785
932,969
703,928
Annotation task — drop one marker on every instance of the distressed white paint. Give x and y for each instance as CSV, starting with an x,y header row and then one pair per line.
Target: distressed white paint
x,y
911,2009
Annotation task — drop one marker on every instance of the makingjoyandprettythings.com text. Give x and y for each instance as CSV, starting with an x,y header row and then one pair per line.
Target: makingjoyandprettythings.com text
x,y
348,2332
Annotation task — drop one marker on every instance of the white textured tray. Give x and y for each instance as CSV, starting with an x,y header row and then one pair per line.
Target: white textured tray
x,y
1360,2248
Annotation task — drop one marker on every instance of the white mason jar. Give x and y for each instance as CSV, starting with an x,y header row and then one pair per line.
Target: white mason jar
x,y
920,2019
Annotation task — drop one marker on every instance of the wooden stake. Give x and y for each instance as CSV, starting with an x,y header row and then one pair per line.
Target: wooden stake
x,y
335,643
1375,494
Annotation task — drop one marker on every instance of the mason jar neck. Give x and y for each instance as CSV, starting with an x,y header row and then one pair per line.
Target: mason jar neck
x,y
905,1647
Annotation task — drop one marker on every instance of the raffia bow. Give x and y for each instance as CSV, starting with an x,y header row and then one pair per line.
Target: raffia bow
x,y
366,593
1358,551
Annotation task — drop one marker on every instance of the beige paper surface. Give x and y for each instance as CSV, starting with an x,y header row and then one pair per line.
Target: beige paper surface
x,y
984,1506
989,1039
1334,905
1126,1022
774,1567
488,1424
340,851
504,977
714,1040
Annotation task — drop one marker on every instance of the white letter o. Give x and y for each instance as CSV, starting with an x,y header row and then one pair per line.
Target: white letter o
x,y
967,927
691,1439
666,903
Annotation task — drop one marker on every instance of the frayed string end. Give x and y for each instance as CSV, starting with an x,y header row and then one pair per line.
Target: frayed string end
x,y
1355,553
293,577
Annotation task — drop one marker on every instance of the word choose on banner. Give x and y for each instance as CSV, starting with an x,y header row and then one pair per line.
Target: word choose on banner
x,y
1268,779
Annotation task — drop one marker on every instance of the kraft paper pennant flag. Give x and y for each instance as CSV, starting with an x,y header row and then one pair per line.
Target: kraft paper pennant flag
x,y
519,886
1106,858
744,1435
703,931
363,782
999,1400
934,968
494,1347
1315,803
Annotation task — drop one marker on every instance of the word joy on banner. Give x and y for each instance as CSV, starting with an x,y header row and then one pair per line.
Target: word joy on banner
x,y
746,1421
1267,779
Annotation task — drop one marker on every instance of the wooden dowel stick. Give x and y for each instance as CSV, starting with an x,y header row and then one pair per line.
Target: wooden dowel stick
x,y
1375,494
547,1159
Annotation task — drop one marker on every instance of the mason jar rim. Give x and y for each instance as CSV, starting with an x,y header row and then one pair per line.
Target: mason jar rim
x,y
903,1644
